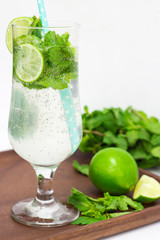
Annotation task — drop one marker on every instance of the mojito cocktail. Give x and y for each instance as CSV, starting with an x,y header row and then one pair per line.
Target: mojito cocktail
x,y
45,118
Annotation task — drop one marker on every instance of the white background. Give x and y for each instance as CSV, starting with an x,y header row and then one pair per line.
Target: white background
x,y
119,59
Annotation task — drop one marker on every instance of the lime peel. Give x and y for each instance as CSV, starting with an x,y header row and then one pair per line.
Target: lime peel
x,y
20,21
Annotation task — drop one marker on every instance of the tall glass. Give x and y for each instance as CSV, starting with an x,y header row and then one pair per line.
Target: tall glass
x,y
45,118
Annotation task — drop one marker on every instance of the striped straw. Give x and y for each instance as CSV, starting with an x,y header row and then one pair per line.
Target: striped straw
x,y
65,94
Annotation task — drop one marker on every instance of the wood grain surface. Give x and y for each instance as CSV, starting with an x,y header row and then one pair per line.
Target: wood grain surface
x,y
18,181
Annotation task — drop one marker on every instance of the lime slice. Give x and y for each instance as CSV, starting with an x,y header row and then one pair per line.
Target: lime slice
x,y
147,190
21,21
28,62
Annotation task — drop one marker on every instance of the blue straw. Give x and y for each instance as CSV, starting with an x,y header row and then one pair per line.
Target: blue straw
x,y
65,94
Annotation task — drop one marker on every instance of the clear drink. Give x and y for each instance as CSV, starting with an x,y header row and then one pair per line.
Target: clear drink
x,y
38,129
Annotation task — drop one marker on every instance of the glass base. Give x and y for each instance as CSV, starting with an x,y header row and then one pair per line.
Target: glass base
x,y
33,213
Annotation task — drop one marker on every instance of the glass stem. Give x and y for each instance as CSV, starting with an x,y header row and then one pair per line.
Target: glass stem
x,y
45,193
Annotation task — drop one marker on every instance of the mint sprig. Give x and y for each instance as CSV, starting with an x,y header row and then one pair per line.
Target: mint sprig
x,y
94,210
82,168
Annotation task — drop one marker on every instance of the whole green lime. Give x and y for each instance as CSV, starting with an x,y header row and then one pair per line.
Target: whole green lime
x,y
113,170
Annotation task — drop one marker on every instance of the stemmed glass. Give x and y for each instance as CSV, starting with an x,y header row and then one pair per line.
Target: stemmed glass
x,y
45,119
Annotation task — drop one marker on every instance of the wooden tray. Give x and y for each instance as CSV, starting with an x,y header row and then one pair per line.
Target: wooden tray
x,y
18,181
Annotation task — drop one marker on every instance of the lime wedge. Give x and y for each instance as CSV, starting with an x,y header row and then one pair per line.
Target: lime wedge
x,y
29,62
21,21
147,190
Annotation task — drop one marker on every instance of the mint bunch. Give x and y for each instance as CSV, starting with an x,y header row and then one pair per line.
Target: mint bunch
x,y
94,210
128,129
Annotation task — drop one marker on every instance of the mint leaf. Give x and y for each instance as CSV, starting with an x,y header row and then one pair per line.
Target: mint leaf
x,y
118,114
53,82
135,205
83,220
132,137
156,151
111,204
109,138
36,23
32,39
122,205
59,54
143,134
40,178
34,85
112,215
95,211
84,168
121,141
152,127
138,152
155,140
79,200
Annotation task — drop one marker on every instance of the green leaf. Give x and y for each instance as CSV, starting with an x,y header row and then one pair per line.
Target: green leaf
x,y
32,39
138,152
34,85
156,151
96,121
118,113
110,203
155,140
132,137
112,215
121,141
95,211
52,82
90,143
147,146
153,120
109,138
50,39
104,119
86,110
135,205
34,31
143,115
40,178
83,220
83,168
152,127
143,134
131,120
122,205
79,200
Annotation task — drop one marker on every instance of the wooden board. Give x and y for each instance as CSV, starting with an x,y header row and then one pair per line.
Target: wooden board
x,y
18,181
